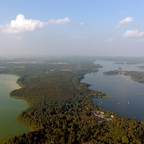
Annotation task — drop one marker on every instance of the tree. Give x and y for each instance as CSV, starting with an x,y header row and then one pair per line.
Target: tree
x,y
125,139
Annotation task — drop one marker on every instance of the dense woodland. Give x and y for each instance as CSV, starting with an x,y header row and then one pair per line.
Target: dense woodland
x,y
135,75
61,109
113,72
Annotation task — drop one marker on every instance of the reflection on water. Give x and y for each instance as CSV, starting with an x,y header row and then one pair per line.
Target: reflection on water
x,y
127,96
10,108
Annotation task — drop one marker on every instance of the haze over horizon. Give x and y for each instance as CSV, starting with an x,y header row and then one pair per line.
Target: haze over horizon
x,y
86,28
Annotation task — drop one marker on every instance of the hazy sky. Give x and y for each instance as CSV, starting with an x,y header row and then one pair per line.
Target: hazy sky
x,y
72,27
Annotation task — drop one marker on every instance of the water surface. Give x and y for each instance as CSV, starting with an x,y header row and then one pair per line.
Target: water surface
x,y
127,96
10,108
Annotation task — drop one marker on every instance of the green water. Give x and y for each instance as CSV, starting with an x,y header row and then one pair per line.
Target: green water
x,y
10,108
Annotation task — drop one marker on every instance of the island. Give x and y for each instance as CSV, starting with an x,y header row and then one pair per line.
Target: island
x,y
134,75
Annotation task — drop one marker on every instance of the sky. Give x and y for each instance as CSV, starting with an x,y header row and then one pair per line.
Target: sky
x,y
72,27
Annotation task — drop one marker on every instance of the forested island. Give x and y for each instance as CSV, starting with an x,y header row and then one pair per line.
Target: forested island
x,y
134,75
61,109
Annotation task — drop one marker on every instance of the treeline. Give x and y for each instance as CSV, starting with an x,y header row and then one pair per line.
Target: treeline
x,y
62,111
134,75
114,72
24,68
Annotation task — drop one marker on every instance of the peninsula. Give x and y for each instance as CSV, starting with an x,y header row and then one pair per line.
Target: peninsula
x,y
61,109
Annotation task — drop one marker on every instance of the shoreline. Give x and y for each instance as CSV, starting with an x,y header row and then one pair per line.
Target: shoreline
x,y
21,86
32,128
128,100
85,99
9,97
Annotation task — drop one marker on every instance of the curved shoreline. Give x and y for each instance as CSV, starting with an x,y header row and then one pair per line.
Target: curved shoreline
x,y
83,100
17,106
32,128
111,84
21,86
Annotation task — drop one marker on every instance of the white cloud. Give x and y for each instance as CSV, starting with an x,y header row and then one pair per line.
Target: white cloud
x,y
110,40
125,21
21,24
60,21
82,23
133,33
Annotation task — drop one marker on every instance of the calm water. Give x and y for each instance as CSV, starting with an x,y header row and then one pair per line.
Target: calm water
x,y
10,108
127,96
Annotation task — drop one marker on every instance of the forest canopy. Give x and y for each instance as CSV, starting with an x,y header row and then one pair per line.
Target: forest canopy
x,y
61,109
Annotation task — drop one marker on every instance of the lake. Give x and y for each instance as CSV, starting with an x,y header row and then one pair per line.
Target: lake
x,y
10,108
127,96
